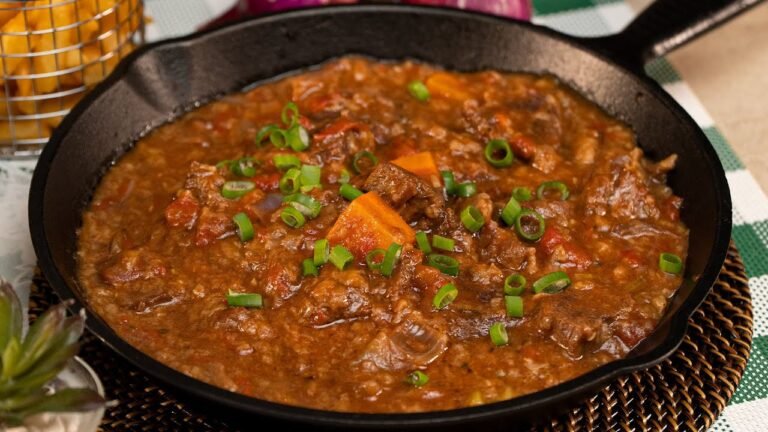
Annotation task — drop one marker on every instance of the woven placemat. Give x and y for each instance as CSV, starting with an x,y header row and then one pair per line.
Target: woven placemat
x,y
685,392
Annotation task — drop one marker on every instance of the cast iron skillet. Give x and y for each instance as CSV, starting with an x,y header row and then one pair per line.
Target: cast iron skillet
x,y
160,81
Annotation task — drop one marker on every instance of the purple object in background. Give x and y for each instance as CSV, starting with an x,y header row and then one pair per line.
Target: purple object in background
x,y
517,9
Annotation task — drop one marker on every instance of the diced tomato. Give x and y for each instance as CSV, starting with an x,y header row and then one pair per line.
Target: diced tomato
x,y
523,146
576,254
183,210
429,279
340,126
551,239
267,182
212,226
402,146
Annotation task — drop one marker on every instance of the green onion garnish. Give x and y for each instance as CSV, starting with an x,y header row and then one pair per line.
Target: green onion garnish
x,y
374,258
670,263
310,176
292,217
445,264
243,167
264,133
472,219
236,189
278,138
307,205
344,177
530,225
284,161
226,163
552,283
466,189
390,259
522,194
445,296
248,300
358,167
554,185
321,253
308,267
511,211
498,153
349,192
498,334
449,181
291,181
417,378
297,138
340,257
244,227
514,284
423,242
444,243
514,306
290,114
418,90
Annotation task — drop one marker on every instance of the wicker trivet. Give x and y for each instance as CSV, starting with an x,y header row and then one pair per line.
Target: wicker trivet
x,y
685,392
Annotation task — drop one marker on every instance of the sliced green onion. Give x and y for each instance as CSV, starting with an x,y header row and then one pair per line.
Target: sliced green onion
x,y
466,189
264,133
292,217
445,264
472,219
514,306
514,284
349,192
290,114
340,257
236,189
248,300
498,334
307,205
278,138
244,227
552,283
291,181
511,211
449,181
417,379
390,259
365,154
670,263
522,194
285,161
445,296
374,258
418,90
310,175
243,167
498,153
444,243
297,138
308,267
322,252
525,223
556,185
423,242
226,163
344,177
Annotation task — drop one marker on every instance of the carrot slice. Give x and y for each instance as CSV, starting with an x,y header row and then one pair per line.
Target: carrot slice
x,y
447,85
369,223
422,164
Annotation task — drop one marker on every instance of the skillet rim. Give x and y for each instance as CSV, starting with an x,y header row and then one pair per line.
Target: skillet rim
x,y
562,393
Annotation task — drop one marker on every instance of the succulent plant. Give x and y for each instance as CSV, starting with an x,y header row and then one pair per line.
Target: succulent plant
x,y
28,363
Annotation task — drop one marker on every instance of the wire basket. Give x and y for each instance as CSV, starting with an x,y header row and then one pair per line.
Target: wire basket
x,y
52,53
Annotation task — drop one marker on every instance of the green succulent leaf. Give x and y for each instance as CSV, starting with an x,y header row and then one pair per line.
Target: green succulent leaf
x,y
43,372
41,337
9,357
65,400
10,315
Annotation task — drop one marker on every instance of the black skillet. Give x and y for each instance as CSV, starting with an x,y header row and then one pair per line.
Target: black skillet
x,y
160,81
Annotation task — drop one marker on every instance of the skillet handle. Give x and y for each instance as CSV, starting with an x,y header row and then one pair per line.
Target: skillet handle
x,y
664,26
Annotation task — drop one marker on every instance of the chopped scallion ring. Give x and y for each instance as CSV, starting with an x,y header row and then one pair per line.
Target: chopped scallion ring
x,y
498,153
243,167
297,138
278,138
374,258
291,181
472,219
264,133
449,182
340,257
290,114
445,296
244,227
444,243
310,175
236,189
552,283
344,176
417,379
530,225
418,90
308,267
511,211
670,263
522,194
444,263
292,217
248,300
321,253
390,259
423,242
514,284
559,186
226,163
284,161
466,189
349,192
357,164
498,334
514,306
307,205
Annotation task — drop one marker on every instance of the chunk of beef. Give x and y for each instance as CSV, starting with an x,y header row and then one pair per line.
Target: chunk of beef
x,y
411,196
502,246
131,265
281,280
412,343
205,182
341,296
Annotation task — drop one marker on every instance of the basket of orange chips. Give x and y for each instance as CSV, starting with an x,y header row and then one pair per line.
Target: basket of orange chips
x,y
52,53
